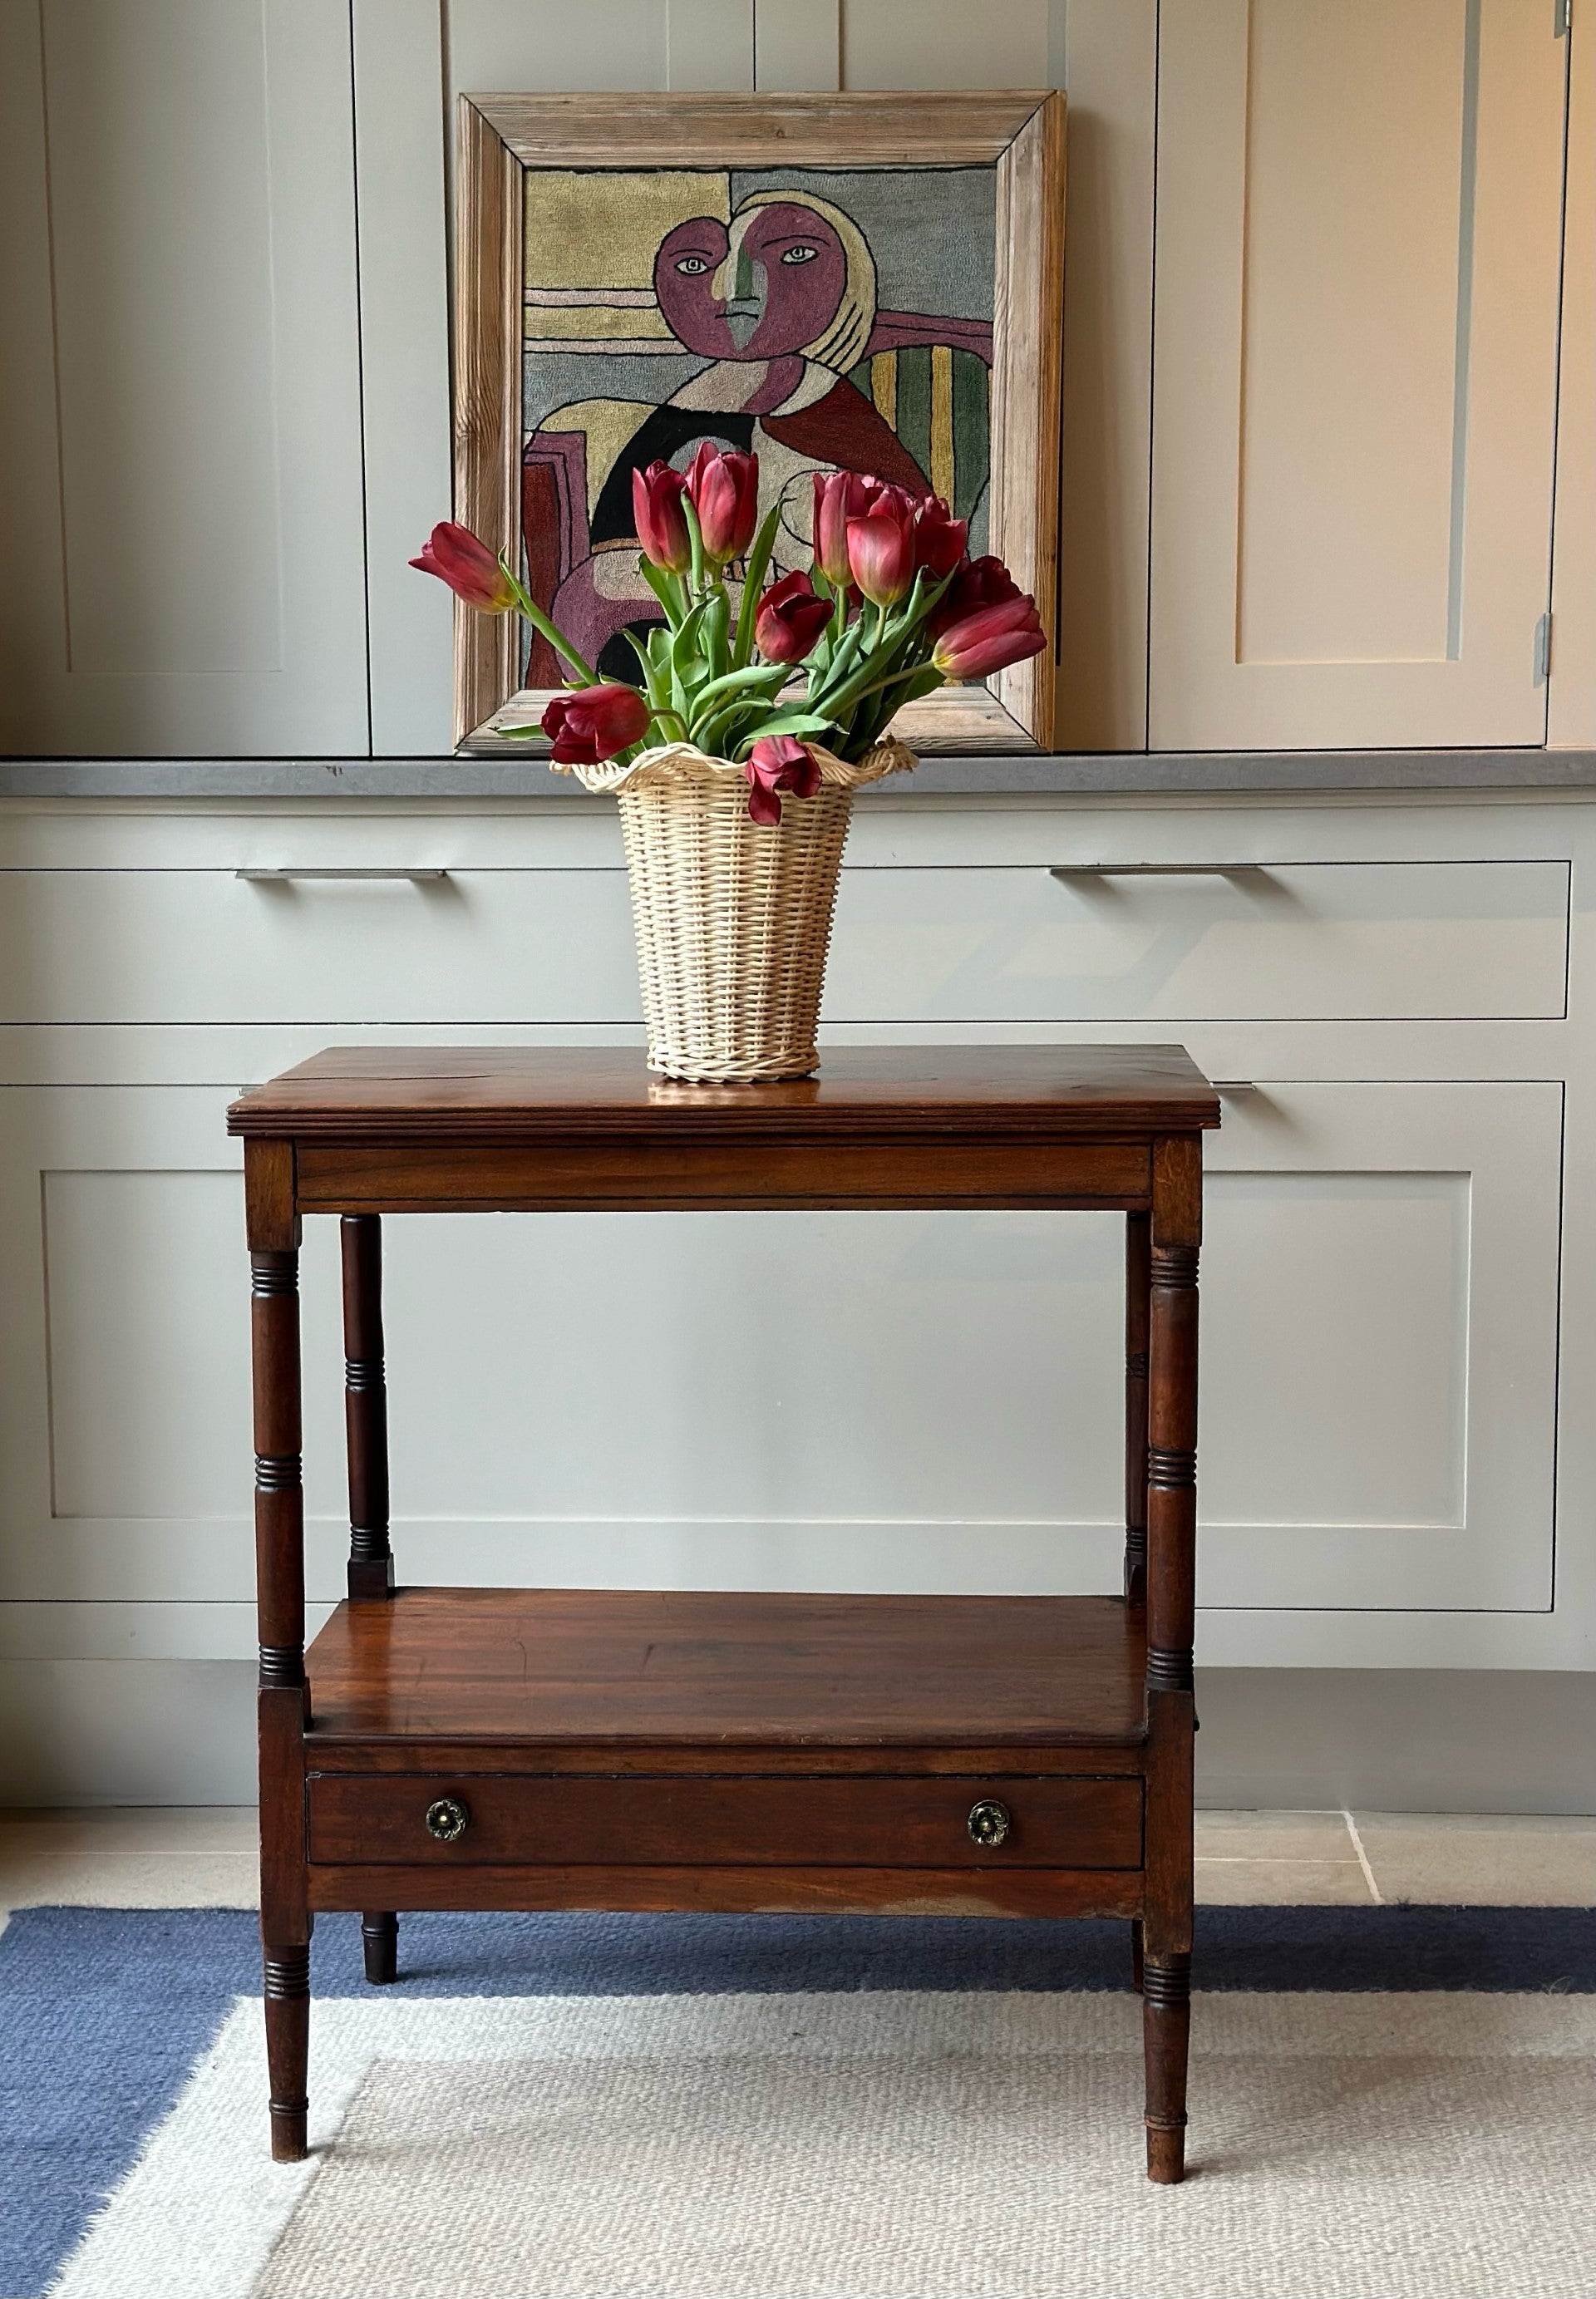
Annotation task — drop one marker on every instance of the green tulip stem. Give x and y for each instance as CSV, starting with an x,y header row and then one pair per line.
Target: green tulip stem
x,y
586,674
696,538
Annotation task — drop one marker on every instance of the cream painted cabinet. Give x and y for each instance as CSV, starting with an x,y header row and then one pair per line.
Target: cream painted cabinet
x,y
180,444
1357,255
1397,1465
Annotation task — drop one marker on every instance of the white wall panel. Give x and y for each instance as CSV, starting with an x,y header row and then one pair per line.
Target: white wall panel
x,y
405,365
1110,71
185,566
505,43
797,48
709,43
946,44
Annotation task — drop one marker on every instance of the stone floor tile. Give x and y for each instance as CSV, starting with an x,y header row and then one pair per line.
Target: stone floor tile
x,y
111,1879
1273,1836
1509,1861
1281,1883
142,1828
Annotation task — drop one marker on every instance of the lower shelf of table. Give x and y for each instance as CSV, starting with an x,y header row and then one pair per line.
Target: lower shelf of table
x,y
624,1672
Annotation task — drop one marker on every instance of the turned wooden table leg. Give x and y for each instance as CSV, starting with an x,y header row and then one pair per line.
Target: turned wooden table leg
x,y
279,1580
1171,1594
366,1407
366,1424
1138,1306
380,1938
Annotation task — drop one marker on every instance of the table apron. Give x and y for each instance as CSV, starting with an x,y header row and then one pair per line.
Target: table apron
x,y
910,1174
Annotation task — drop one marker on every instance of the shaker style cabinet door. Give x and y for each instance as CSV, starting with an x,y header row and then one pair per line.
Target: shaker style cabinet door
x,y
179,380
1380,1349
1355,368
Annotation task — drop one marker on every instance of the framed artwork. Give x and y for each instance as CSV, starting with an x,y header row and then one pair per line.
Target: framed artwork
x,y
836,282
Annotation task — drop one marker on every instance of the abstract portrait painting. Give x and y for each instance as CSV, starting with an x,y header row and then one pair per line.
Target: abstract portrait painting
x,y
834,284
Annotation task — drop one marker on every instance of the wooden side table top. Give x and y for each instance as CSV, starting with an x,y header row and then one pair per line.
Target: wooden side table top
x,y
371,1092
401,1129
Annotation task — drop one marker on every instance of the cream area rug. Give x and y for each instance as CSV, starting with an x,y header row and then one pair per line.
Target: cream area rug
x,y
868,2146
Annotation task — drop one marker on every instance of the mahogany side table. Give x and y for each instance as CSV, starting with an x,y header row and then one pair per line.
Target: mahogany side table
x,y
559,1748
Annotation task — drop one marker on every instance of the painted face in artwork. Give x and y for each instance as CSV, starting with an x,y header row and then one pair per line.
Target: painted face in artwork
x,y
760,290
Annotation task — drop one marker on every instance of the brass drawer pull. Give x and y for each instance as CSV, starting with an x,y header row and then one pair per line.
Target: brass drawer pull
x,y
448,1819
988,1823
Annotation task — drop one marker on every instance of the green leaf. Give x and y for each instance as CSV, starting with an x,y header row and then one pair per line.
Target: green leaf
x,y
666,587
786,722
695,538
769,676
687,666
759,559
716,621
657,688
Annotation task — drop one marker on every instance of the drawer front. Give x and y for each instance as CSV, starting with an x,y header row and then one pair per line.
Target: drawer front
x,y
198,946
1285,942
732,1821
1319,941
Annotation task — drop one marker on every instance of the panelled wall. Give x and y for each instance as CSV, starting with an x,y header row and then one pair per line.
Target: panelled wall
x,y
1318,279
1328,457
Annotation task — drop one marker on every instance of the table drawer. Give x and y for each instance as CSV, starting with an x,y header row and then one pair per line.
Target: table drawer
x,y
731,1821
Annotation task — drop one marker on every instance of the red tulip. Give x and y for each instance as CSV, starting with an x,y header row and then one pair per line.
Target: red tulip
x,y
839,497
790,619
592,723
881,548
939,538
982,583
779,762
465,563
990,639
657,512
725,487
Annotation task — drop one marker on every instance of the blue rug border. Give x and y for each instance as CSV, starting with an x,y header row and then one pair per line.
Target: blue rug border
x,y
105,2011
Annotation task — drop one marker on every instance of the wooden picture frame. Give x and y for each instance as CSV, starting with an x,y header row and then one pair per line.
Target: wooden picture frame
x,y
1018,135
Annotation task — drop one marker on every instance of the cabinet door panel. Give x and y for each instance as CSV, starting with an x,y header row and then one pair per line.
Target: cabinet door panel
x,y
1380,1348
1355,371
182,436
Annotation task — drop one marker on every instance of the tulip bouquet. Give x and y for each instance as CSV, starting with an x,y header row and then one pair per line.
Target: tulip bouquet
x,y
749,695
891,609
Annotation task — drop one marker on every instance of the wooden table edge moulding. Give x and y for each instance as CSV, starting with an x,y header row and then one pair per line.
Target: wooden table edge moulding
x,y
654,1750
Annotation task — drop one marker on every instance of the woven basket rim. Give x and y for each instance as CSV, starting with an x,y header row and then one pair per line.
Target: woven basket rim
x,y
684,762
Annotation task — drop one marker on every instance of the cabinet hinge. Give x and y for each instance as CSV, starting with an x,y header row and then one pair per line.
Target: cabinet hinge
x,y
1561,10
1543,650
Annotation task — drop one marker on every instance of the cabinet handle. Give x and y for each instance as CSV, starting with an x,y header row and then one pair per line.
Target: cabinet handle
x,y
447,1820
1233,1085
1156,869
988,1823
283,877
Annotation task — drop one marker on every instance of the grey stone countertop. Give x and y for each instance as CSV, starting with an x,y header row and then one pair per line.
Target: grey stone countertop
x,y
1111,774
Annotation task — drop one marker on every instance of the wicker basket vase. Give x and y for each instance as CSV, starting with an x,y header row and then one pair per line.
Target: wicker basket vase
x,y
732,918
